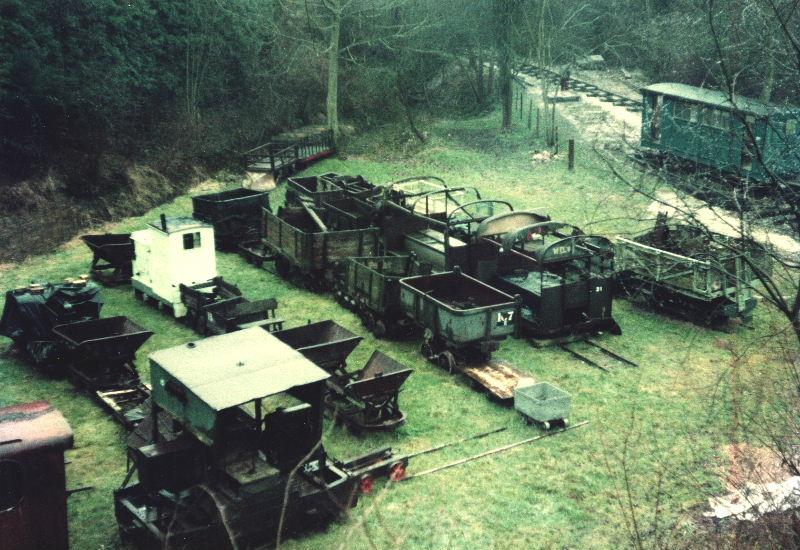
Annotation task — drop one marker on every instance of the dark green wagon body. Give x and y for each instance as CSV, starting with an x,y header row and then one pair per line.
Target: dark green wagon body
x,y
705,127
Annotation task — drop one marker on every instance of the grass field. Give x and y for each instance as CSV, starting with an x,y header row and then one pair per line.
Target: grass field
x,y
563,491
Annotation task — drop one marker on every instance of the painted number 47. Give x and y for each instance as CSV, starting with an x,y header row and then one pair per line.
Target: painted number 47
x,y
503,319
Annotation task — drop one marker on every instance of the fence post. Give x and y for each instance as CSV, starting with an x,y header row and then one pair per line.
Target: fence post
x,y
555,140
571,155
538,121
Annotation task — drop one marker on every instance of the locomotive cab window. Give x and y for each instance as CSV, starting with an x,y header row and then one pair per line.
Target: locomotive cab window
x,y
191,240
12,484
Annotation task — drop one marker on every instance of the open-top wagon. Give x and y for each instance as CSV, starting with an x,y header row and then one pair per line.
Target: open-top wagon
x,y
689,272
327,187
112,257
235,214
366,399
464,320
60,329
371,287
304,250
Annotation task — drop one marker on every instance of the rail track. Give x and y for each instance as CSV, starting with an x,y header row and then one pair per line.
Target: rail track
x,y
591,90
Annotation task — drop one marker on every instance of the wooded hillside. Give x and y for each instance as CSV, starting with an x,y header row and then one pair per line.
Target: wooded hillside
x,y
80,79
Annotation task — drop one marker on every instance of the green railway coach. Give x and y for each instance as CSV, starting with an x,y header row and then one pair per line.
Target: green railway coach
x,y
705,127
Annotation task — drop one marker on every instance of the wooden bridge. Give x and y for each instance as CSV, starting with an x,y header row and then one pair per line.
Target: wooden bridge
x,y
289,153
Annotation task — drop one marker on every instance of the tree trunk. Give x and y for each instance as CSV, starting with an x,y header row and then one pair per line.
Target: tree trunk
x,y
503,18
490,80
769,78
332,102
481,86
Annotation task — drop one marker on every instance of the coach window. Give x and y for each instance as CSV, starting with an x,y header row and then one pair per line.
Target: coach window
x,y
791,127
681,110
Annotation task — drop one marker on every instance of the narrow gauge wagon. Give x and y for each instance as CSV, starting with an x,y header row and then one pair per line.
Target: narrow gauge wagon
x,y
246,433
371,287
464,320
60,328
405,191
366,399
218,307
564,277
544,404
679,269
112,257
235,214
436,204
303,250
746,137
326,187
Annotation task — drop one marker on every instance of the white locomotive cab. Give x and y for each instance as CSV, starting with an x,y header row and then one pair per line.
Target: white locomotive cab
x,y
171,252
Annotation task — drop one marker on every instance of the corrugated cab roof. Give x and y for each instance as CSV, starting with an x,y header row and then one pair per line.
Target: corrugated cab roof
x,y
716,98
32,427
231,369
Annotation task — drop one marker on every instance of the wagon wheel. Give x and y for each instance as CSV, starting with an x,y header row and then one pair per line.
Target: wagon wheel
x,y
201,323
198,523
427,350
368,320
283,267
447,361
379,330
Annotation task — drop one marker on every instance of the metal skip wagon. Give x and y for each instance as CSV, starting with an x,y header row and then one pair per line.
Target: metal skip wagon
x,y
464,321
112,261
366,399
543,403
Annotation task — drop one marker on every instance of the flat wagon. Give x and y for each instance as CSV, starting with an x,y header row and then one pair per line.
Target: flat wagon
x,y
235,214
302,250
689,273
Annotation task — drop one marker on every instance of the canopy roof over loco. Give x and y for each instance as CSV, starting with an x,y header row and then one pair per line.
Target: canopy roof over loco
x,y
195,381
